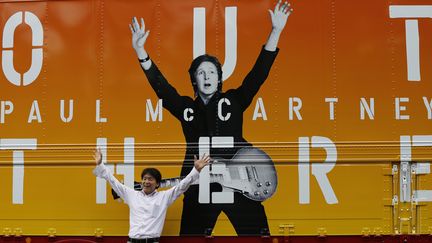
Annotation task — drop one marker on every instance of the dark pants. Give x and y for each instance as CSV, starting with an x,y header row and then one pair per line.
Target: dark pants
x,y
247,216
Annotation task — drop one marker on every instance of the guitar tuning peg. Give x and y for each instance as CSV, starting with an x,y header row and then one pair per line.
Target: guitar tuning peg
x,y
268,183
259,184
265,192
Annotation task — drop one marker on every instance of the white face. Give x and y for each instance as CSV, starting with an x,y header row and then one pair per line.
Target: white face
x,y
206,77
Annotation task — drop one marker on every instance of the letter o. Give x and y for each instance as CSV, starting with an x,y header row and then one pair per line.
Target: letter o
x,y
37,54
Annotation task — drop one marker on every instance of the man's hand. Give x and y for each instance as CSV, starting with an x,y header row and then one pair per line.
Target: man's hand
x,y
200,163
279,15
98,156
139,37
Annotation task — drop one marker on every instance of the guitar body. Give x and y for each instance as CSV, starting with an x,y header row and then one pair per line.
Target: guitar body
x,y
250,172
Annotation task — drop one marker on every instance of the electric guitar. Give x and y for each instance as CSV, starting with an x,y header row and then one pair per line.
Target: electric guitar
x,y
250,172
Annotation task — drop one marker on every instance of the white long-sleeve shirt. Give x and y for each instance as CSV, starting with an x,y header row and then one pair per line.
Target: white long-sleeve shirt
x,y
146,212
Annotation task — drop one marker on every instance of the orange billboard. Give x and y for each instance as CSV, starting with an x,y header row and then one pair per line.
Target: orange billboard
x,y
338,112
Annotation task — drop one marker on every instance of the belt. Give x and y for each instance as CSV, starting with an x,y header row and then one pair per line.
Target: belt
x,y
146,240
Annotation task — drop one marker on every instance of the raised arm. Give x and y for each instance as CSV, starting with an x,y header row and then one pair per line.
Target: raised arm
x,y
184,184
260,71
172,100
279,17
102,171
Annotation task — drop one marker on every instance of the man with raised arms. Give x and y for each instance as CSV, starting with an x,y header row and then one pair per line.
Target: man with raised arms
x,y
203,115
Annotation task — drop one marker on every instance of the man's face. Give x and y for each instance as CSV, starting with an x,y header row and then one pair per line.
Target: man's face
x,y
149,183
207,78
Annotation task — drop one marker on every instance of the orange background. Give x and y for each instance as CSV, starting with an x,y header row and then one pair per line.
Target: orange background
x,y
343,49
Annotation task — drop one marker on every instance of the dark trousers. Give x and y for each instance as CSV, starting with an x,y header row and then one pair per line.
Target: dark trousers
x,y
247,216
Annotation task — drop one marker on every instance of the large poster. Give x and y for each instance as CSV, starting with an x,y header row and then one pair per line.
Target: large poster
x,y
322,131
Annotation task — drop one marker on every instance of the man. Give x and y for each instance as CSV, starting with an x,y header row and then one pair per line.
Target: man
x,y
204,116
147,208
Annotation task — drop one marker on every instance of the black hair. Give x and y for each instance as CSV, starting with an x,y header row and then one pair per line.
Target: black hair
x,y
195,64
153,172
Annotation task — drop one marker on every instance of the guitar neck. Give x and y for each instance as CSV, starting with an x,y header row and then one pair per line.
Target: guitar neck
x,y
170,182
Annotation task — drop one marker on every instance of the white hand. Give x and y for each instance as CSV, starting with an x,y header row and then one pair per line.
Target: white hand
x,y
139,35
279,15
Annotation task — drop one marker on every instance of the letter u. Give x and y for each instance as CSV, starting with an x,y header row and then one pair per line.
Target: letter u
x,y
199,38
